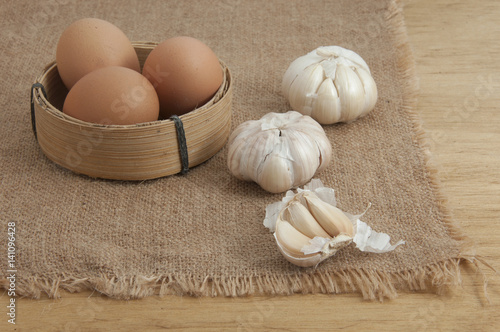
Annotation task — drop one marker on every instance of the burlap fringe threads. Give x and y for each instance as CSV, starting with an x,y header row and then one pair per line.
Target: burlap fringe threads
x,y
373,285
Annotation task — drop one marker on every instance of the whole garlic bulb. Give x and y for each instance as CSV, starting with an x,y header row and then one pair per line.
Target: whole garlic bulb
x,y
331,84
279,152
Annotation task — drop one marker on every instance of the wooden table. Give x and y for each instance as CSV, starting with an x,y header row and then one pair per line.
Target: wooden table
x,y
457,50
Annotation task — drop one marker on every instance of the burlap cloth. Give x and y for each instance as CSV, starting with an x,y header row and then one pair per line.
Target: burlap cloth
x,y
202,233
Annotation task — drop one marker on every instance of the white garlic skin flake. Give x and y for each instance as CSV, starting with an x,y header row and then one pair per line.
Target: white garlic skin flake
x,y
279,152
331,84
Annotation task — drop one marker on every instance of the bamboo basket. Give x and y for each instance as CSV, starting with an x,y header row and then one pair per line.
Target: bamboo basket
x,y
127,152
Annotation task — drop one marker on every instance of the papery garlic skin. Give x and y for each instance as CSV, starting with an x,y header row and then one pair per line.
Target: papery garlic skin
x,y
279,152
331,84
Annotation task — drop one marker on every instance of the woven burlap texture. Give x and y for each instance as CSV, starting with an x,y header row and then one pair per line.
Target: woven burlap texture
x,y
201,233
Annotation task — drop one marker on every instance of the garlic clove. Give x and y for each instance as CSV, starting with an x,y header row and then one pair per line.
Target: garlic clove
x,y
370,89
299,217
253,166
351,93
302,93
328,107
241,142
308,127
332,219
302,261
305,152
290,238
276,174
297,66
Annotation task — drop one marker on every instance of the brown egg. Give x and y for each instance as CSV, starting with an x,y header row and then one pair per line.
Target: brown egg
x,y
89,44
185,72
113,95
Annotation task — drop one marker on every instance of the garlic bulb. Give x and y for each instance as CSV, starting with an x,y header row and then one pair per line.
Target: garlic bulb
x,y
279,152
309,228
331,84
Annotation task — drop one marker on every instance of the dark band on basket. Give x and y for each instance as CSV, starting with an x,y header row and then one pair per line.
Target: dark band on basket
x,y
181,139
33,87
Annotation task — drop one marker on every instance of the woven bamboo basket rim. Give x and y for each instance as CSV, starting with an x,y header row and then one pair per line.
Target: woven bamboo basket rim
x,y
150,146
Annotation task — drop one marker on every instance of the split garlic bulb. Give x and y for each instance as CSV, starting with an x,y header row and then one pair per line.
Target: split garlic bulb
x,y
279,152
306,217
309,228
331,84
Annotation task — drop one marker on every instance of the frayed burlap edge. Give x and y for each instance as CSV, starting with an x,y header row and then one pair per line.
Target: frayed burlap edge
x,y
371,284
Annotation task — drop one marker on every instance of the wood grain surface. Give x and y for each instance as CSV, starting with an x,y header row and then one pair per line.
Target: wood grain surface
x,y
457,47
